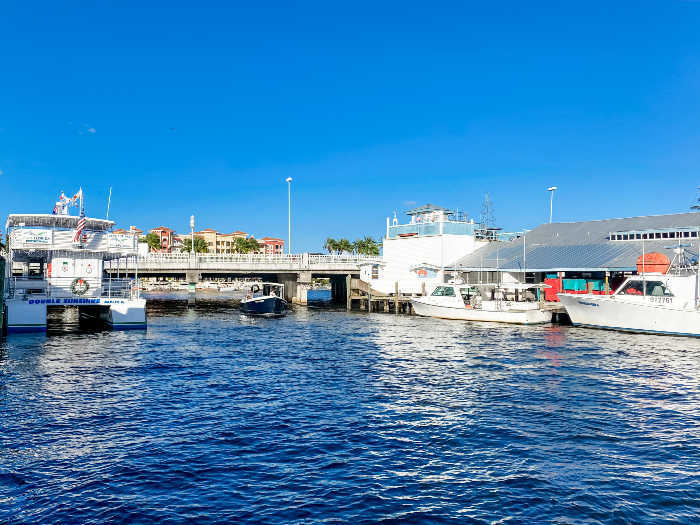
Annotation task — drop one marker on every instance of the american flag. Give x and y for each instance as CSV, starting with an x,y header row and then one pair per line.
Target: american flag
x,y
81,226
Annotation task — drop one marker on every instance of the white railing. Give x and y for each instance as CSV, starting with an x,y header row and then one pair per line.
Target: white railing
x,y
63,288
282,261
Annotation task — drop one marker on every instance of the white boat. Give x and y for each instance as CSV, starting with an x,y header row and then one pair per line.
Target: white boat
x,y
58,260
414,255
660,303
513,303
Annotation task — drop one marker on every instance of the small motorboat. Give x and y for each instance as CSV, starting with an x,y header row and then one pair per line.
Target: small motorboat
x,y
265,299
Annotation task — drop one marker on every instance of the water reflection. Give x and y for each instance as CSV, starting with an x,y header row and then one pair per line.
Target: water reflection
x,y
363,417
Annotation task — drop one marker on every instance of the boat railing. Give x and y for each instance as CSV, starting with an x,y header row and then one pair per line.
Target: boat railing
x,y
68,287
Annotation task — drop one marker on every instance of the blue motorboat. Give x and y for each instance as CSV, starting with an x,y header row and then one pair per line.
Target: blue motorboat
x,y
265,299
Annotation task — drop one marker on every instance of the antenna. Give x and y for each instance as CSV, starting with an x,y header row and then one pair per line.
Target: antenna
x,y
486,218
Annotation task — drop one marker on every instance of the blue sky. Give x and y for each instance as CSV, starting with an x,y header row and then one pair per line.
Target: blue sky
x,y
371,107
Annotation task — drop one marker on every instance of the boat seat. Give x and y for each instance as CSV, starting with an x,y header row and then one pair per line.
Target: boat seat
x,y
657,291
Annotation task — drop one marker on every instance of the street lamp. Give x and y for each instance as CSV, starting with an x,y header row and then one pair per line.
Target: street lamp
x,y
289,215
551,191
192,233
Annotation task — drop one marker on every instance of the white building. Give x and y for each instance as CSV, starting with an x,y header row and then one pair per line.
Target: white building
x,y
49,266
415,254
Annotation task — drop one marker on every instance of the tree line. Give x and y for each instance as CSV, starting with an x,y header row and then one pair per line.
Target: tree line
x,y
240,244
365,246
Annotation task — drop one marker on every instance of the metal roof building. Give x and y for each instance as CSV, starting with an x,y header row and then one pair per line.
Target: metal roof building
x,y
591,246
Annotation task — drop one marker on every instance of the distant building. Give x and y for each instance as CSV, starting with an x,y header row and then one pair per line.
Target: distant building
x,y
272,246
165,235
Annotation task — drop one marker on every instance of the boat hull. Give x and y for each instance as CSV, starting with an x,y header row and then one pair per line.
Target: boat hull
x,y
531,316
264,306
596,311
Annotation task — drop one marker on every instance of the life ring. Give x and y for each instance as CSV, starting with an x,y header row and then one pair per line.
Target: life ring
x,y
79,286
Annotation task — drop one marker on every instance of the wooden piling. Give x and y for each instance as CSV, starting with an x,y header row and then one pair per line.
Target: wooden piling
x,y
396,297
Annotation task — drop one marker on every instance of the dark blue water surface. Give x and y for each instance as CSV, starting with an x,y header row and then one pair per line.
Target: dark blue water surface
x,y
325,415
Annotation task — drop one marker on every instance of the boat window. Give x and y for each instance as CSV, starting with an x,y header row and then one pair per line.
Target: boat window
x,y
653,288
632,288
658,289
446,291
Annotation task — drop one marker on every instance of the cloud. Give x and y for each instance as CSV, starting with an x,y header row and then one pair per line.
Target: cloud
x,y
1,172
409,203
92,130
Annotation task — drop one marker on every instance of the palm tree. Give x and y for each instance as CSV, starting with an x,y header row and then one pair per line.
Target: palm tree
x,y
153,241
343,245
366,246
250,245
330,245
200,245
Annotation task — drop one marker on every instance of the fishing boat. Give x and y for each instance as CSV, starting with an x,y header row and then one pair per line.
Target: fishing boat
x,y
265,299
515,303
659,302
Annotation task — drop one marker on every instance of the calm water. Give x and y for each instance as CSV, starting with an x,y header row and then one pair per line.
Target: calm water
x,y
325,415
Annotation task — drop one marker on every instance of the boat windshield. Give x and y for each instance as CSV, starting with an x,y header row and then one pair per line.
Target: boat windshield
x,y
653,288
444,291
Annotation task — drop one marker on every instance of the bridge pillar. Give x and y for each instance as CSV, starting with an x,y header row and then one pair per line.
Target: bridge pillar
x,y
192,277
289,280
303,287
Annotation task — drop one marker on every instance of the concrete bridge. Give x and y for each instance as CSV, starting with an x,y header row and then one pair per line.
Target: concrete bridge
x,y
295,271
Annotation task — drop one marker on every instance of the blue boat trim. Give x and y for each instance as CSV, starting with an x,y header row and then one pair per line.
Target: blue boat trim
x,y
26,329
634,330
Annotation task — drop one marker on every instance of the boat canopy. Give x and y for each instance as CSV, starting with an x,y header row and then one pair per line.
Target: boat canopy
x,y
48,220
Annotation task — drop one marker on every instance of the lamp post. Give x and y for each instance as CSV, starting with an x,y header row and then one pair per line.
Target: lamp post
x,y
289,215
192,233
551,191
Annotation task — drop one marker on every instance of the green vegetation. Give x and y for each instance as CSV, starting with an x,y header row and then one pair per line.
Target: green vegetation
x,y
249,245
200,245
365,246
153,241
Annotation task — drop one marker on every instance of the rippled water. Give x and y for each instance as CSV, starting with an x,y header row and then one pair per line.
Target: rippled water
x,y
325,415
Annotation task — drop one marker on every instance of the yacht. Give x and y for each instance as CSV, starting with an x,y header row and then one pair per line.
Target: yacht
x,y
503,303
650,302
265,299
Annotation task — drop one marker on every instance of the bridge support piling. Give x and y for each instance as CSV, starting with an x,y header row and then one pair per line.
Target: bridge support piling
x,y
303,284
192,278
289,280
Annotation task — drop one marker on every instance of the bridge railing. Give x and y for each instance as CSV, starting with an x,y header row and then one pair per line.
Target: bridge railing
x,y
255,257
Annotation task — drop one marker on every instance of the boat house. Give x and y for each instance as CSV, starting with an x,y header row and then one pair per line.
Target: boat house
x,y
602,252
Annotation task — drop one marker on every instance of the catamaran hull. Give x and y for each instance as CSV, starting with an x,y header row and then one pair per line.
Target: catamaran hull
x,y
597,311
265,306
534,316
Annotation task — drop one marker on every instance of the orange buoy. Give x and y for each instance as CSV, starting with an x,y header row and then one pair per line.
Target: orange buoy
x,y
653,262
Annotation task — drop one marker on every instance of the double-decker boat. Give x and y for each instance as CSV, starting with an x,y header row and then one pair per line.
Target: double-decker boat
x,y
651,302
57,260
503,303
